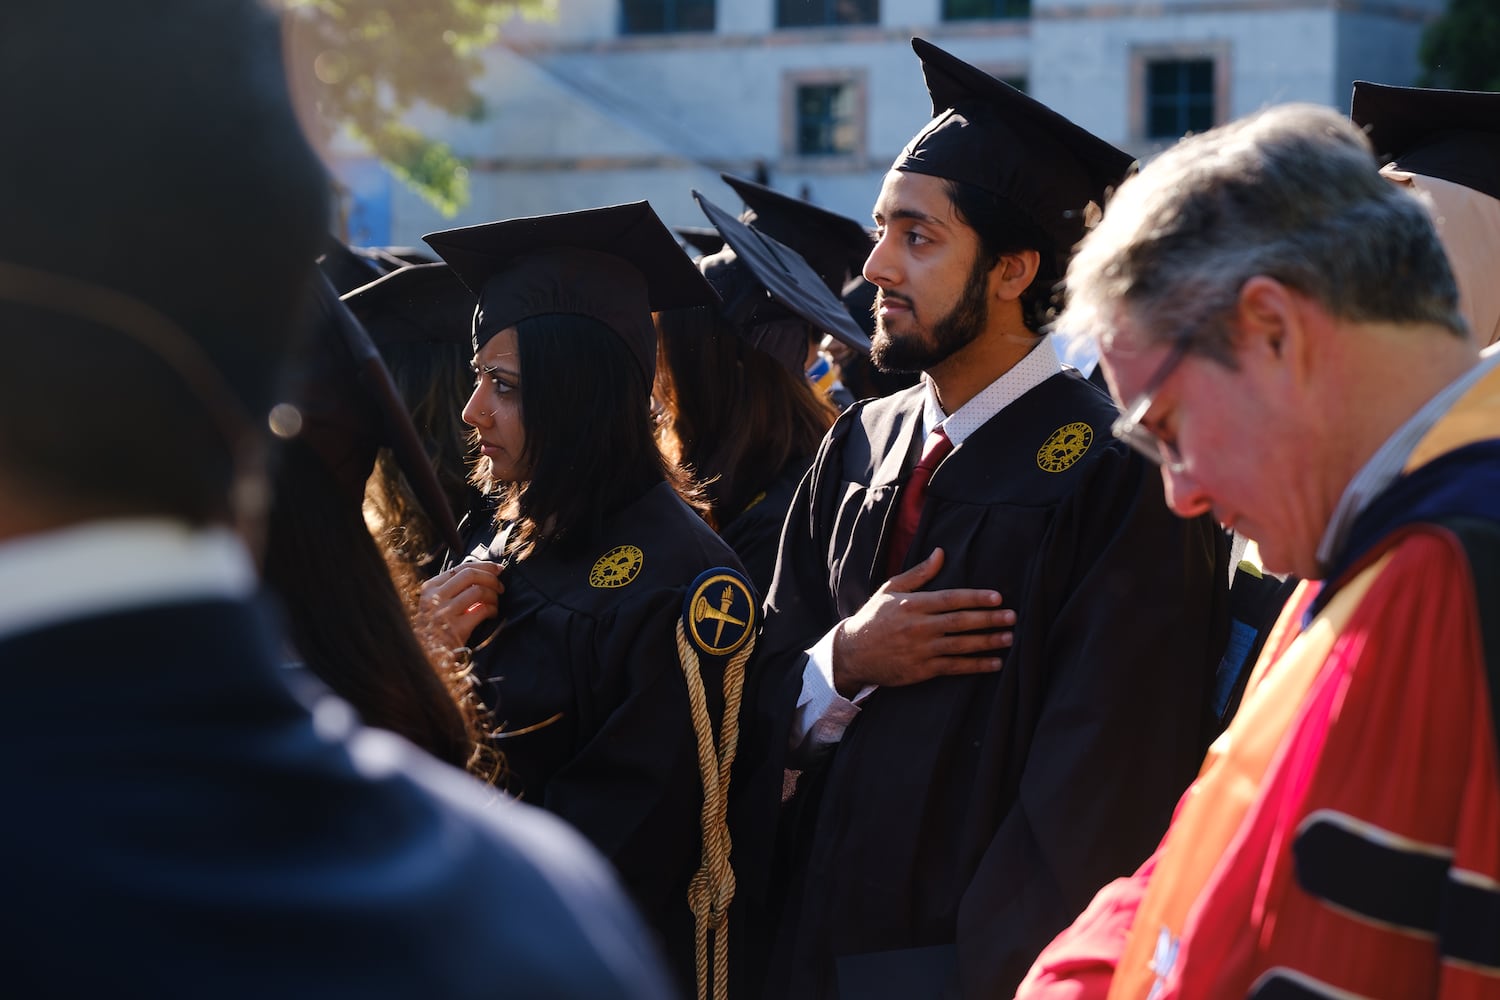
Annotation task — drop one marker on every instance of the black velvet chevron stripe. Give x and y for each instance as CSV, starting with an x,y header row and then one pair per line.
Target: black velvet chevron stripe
x,y
1471,924
1381,882
1471,921
1481,540
1283,984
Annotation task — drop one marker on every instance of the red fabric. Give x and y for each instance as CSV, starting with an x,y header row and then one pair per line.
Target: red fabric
x,y
913,494
1080,962
1395,734
1399,737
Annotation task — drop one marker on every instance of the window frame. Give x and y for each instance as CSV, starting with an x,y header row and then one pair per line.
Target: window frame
x,y
1143,57
792,82
671,10
828,21
947,18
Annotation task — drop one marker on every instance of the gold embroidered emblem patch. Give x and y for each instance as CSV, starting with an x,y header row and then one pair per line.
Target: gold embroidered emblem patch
x,y
1066,446
617,567
719,613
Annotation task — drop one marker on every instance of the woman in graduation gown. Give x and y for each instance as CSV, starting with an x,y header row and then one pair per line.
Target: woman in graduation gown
x,y
740,412
572,609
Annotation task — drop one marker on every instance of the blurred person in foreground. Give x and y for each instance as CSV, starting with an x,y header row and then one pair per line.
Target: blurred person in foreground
x,y
345,617
179,821
419,318
1285,330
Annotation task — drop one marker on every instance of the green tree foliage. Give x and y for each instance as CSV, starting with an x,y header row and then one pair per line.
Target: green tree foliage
x,y
1461,49
366,63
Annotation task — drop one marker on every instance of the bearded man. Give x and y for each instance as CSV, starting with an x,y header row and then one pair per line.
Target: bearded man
x,y
954,806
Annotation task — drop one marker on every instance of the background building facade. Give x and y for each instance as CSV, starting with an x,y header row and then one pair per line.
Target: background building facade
x,y
619,100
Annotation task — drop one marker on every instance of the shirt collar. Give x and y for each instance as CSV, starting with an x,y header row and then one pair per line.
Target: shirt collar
x,y
108,566
1040,364
1384,467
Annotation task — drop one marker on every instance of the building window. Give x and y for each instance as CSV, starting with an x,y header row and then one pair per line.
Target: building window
x,y
655,17
815,13
827,119
1180,97
823,114
984,10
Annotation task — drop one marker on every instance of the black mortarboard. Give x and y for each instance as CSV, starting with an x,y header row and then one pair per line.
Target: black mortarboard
x,y
350,409
835,246
423,303
753,266
987,133
704,239
616,265
1453,135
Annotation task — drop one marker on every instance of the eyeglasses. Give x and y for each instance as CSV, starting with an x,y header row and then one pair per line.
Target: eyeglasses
x,y
1129,428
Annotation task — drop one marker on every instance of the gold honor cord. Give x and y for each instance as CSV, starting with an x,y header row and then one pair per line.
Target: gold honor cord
x,y
712,888
162,338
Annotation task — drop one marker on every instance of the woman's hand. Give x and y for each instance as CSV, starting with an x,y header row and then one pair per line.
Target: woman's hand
x,y
456,601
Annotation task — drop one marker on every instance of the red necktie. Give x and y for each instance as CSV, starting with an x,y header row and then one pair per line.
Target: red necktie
x,y
913,494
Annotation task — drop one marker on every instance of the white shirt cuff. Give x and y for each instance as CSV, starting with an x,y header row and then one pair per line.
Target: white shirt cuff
x,y
822,713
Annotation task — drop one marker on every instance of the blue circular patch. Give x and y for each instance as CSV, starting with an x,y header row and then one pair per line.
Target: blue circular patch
x,y
719,612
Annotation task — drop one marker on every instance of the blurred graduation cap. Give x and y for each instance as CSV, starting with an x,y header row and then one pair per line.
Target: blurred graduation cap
x,y
399,256
1453,135
349,409
987,133
835,246
616,264
764,282
347,268
704,239
421,303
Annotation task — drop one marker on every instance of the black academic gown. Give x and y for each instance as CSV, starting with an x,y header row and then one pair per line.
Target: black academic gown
x,y
177,824
583,678
755,534
963,821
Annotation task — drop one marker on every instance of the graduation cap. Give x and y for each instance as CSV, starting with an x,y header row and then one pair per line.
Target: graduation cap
x,y
835,246
987,133
753,266
350,409
419,304
1453,135
704,239
616,265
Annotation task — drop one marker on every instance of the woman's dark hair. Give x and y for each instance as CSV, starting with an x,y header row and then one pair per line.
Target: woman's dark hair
x,y
736,416
347,620
433,380
589,441
1003,229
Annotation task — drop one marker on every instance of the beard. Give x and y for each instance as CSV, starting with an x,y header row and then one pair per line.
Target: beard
x,y
956,329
